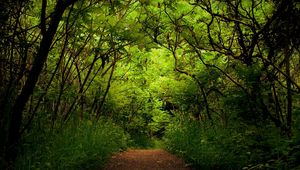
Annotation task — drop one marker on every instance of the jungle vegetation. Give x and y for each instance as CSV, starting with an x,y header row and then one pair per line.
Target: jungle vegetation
x,y
215,82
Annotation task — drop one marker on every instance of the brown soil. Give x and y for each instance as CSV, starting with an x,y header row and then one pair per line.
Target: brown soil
x,y
145,160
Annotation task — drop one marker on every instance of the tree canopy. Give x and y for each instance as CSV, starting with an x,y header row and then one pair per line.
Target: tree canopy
x,y
156,69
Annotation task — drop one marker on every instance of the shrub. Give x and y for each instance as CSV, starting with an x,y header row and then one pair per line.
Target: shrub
x,y
86,145
216,147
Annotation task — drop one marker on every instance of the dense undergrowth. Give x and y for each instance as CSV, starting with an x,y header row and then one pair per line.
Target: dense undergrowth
x,y
233,147
83,145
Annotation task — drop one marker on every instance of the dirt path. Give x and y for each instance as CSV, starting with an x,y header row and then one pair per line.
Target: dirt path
x,y
145,160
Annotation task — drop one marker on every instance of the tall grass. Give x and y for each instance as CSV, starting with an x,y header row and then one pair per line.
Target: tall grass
x,y
78,146
216,147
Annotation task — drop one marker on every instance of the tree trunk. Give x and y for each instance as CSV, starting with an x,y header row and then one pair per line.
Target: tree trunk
x,y
289,95
106,91
27,90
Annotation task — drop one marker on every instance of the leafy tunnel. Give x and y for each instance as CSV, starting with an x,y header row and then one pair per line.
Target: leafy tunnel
x,y
216,82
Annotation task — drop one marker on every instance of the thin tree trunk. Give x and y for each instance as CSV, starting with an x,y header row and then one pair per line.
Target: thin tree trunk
x,y
106,90
198,83
27,90
81,89
289,95
277,105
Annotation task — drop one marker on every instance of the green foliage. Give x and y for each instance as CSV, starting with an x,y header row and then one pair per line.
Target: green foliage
x,y
203,148
159,121
84,145
140,140
217,147
194,60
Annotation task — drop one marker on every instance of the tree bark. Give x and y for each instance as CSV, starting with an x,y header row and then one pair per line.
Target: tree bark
x,y
106,91
289,95
27,90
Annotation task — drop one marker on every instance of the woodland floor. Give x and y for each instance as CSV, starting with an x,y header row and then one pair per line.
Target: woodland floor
x,y
156,159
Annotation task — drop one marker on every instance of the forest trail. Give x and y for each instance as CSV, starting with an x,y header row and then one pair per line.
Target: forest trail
x,y
156,159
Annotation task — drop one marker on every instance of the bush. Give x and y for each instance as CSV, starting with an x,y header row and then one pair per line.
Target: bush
x,y
203,148
216,147
83,146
